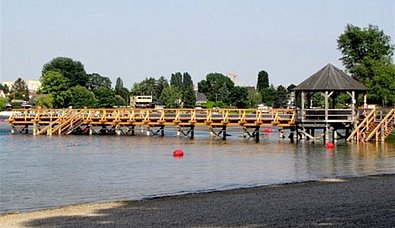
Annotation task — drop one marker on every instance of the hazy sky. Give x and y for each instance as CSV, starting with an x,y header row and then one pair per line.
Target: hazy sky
x,y
137,39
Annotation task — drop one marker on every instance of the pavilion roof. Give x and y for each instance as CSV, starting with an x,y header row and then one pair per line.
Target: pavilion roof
x,y
330,78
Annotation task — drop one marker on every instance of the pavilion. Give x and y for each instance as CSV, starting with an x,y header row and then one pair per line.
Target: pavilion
x,y
329,82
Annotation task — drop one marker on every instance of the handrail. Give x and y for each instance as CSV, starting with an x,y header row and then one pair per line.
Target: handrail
x,y
362,125
388,118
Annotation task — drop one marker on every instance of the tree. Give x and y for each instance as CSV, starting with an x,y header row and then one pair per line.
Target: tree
x,y
121,91
281,97
356,44
149,87
19,90
268,95
96,81
254,98
44,100
81,97
263,80
216,87
3,103
176,80
171,97
161,84
290,88
188,93
53,83
118,86
72,71
5,88
366,54
105,97
382,85
239,97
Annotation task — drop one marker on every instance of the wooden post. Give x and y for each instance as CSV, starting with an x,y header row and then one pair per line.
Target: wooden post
x,y
256,132
192,131
224,132
326,106
162,130
34,128
302,107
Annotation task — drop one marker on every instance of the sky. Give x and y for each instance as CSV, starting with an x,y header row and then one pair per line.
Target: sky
x,y
134,40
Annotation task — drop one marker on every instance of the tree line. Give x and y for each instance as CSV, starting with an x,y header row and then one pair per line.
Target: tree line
x,y
366,54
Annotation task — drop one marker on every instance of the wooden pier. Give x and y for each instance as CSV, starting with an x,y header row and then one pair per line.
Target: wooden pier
x,y
126,121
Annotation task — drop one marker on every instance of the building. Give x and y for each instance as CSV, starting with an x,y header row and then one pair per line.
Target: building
x,y
141,101
32,85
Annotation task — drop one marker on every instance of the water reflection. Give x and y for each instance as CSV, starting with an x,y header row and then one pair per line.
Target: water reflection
x,y
45,171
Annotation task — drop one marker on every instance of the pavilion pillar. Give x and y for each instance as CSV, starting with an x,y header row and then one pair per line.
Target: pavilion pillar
x,y
354,111
302,106
326,106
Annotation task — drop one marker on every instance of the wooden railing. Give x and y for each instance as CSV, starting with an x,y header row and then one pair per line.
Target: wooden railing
x,y
125,116
384,128
364,125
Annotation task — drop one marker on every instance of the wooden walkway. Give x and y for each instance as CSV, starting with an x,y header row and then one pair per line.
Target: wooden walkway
x,y
373,126
70,121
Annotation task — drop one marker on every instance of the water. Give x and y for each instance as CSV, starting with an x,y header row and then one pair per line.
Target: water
x,y
41,172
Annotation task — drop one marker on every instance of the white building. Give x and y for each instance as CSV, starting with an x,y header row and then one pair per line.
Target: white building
x,y
32,85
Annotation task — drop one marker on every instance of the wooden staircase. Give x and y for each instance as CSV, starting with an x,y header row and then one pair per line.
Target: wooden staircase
x,y
63,125
384,128
372,128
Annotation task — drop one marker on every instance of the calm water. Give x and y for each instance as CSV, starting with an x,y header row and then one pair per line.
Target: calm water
x,y
40,172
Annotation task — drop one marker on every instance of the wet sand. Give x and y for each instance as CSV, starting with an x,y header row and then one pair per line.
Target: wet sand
x,y
354,202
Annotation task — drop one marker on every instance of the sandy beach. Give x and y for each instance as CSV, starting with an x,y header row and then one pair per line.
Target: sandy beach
x,y
353,202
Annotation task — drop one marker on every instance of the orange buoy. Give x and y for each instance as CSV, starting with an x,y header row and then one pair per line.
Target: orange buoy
x,y
267,130
330,145
178,153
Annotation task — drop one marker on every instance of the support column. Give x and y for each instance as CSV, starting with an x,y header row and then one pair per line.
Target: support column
x,y
34,128
162,130
256,134
117,130
192,131
302,106
326,106
132,129
224,132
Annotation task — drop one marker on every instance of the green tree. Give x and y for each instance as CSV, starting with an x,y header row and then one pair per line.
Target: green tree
x,y
96,81
367,54
290,88
239,97
121,91
382,85
188,94
5,88
254,98
281,97
19,90
72,71
105,97
148,87
356,44
216,87
268,95
81,97
263,80
176,80
171,97
161,84
44,100
53,83
3,103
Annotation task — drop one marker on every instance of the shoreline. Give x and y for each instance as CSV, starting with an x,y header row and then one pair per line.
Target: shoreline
x,y
366,200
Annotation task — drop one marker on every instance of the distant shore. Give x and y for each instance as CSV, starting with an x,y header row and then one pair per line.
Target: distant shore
x,y
361,201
